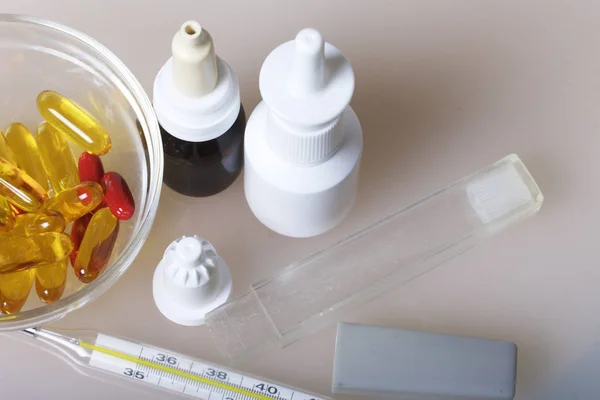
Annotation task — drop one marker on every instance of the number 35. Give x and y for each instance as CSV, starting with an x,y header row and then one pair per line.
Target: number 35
x,y
134,374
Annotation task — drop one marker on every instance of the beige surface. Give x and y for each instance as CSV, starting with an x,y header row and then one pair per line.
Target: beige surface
x,y
443,88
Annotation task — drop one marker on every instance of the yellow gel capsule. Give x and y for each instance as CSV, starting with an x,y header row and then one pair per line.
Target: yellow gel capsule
x,y
50,281
16,210
73,121
96,246
57,158
26,153
5,151
23,252
7,218
77,201
14,290
19,188
33,223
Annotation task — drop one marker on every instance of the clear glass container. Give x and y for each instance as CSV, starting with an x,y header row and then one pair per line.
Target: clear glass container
x,y
315,291
38,55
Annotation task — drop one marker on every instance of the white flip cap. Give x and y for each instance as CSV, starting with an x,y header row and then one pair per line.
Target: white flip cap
x,y
196,94
190,281
307,84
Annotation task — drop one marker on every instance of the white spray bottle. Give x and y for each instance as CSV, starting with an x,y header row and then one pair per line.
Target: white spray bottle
x,y
303,141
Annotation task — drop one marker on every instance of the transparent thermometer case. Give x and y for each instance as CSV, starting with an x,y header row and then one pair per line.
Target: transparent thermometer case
x,y
312,293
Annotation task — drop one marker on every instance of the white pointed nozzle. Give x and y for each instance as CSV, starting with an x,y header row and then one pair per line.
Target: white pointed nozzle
x,y
307,85
195,70
307,82
308,68
190,281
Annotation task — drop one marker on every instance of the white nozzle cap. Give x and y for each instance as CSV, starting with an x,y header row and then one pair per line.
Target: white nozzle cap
x,y
196,94
308,68
190,281
307,85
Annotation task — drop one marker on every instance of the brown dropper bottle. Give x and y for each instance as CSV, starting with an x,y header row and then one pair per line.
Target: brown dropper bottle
x,y
202,121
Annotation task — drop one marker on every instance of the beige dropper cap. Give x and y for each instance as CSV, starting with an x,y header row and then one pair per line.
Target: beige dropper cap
x,y
196,94
195,70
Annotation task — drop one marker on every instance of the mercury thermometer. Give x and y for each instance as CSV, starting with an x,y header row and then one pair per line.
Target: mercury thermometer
x,y
165,369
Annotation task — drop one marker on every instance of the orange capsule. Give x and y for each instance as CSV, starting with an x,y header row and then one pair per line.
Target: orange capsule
x,y
5,151
14,290
16,210
77,201
26,153
19,253
32,223
57,158
19,188
77,231
75,122
7,217
50,281
97,245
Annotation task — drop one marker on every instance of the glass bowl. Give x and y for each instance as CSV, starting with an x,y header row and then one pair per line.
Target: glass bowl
x,y
38,55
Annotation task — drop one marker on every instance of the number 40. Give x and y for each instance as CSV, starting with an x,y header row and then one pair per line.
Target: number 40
x,y
266,388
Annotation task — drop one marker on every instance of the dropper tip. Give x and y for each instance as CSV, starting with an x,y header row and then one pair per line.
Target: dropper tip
x,y
191,29
195,70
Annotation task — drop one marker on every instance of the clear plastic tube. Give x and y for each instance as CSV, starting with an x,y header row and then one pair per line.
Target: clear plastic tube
x,y
311,293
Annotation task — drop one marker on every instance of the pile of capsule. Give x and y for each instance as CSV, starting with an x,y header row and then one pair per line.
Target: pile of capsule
x,y
44,191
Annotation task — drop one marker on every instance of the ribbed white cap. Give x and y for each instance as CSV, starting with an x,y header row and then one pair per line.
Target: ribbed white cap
x,y
307,84
190,281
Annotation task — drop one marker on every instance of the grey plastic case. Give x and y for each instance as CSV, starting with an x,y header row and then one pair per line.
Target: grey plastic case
x,y
413,365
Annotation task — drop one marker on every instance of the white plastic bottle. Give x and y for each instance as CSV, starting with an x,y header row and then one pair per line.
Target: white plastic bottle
x,y
303,141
